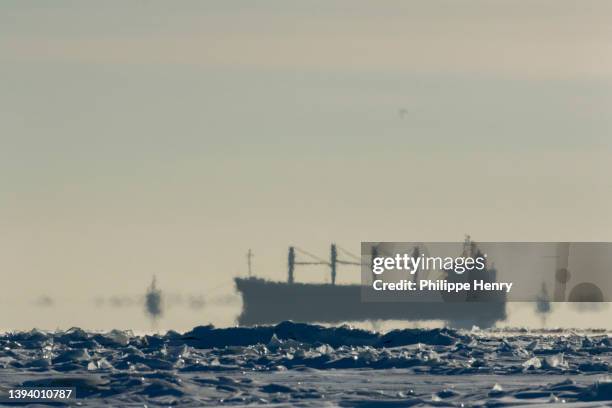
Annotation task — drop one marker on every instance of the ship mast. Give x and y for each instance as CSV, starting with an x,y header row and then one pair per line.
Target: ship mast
x,y
249,258
333,260
290,264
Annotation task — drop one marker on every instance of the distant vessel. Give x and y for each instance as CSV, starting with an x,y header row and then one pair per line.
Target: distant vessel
x,y
153,301
266,302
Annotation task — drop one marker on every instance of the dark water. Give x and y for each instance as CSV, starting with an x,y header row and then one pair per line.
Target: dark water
x,y
310,365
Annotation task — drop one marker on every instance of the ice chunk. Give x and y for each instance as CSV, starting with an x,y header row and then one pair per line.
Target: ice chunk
x,y
101,364
555,361
274,342
532,363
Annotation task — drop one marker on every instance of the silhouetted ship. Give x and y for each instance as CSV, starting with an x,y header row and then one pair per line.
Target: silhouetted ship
x,y
268,302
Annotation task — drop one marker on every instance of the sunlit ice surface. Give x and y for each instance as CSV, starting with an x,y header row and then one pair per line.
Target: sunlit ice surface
x,y
313,365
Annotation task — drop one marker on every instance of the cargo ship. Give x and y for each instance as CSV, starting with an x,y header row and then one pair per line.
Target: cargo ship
x,y
269,302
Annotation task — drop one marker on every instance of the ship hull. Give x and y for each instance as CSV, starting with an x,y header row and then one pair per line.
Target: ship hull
x,y
268,302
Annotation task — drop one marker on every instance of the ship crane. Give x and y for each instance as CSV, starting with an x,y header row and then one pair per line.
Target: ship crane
x,y
333,262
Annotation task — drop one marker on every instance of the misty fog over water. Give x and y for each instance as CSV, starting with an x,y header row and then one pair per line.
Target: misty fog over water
x,y
182,316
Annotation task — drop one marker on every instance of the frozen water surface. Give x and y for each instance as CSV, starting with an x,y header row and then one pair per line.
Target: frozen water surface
x,y
294,364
